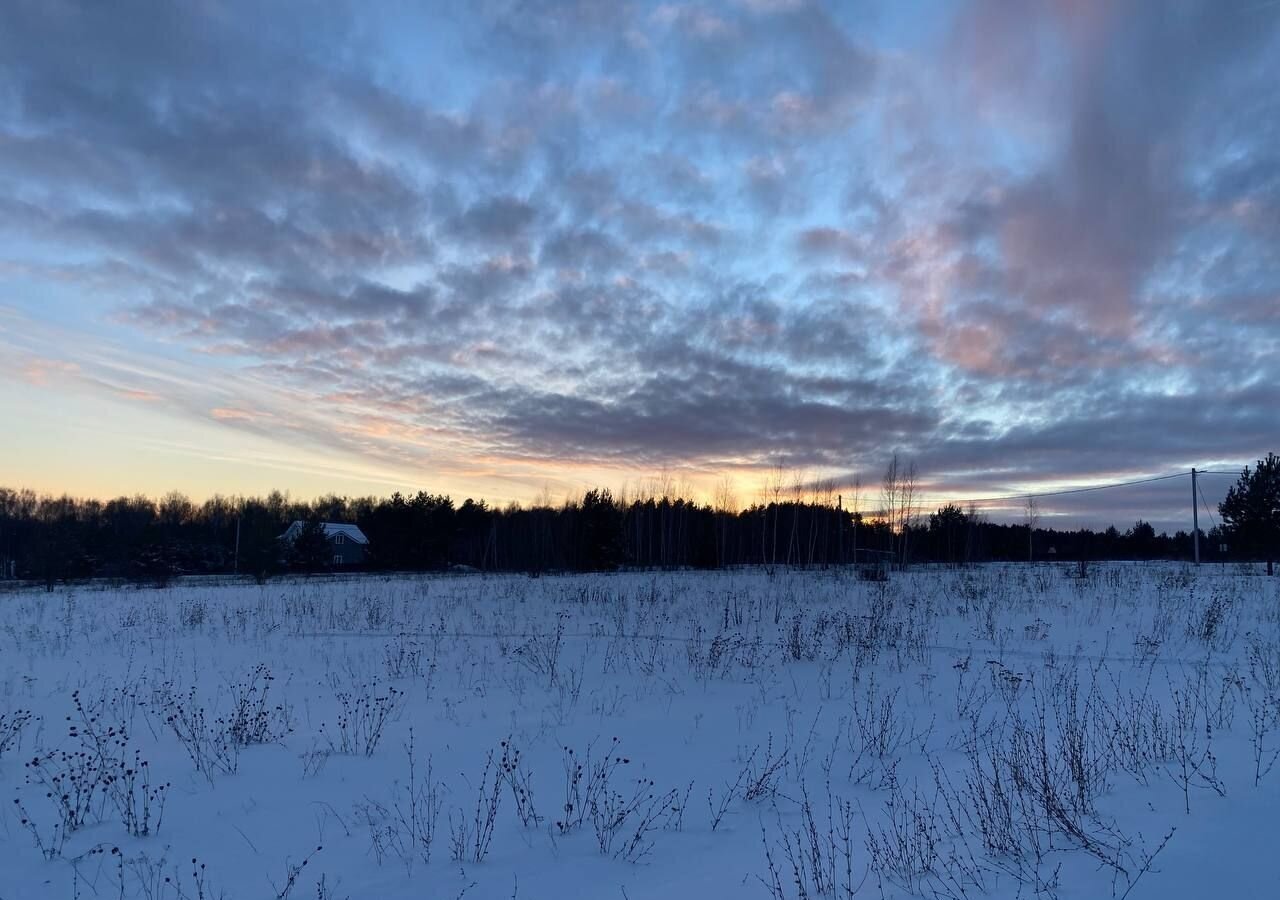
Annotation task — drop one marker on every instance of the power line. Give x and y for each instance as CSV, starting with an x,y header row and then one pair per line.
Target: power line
x,y
1063,492
1207,508
1078,490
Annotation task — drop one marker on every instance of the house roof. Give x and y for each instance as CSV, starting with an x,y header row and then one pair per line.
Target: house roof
x,y
331,530
352,532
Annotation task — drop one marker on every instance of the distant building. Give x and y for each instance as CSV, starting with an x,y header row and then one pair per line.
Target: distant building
x,y
349,545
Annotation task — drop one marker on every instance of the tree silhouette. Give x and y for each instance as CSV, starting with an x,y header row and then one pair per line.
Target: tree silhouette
x,y
601,530
260,549
58,538
948,526
310,551
1251,510
1142,539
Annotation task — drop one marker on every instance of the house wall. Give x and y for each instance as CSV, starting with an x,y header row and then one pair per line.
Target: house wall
x,y
352,554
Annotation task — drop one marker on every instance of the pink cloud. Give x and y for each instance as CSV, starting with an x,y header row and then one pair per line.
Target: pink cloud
x,y
234,414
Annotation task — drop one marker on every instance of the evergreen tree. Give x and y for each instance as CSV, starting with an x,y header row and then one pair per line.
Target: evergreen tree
x,y
601,531
310,551
1251,510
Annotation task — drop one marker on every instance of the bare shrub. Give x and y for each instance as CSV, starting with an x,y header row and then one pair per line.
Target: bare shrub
x,y
905,849
764,771
403,658
364,712
12,725
586,779
80,784
623,821
878,736
719,806
253,718
405,826
540,654
469,838
515,772
815,858
292,874
1194,764
709,659
206,739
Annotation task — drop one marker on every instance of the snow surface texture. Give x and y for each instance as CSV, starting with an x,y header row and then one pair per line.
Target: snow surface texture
x,y
993,731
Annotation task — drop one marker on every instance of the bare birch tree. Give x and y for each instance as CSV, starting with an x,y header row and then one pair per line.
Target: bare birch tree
x,y
797,500
909,508
725,501
897,504
773,497
1032,514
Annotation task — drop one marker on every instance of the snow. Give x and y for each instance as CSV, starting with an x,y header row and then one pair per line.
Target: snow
x,y
883,704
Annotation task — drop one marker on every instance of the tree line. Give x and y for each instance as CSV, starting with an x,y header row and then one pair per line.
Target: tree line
x,y
62,538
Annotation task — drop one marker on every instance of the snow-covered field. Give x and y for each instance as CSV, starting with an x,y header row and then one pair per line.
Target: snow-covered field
x,y
994,731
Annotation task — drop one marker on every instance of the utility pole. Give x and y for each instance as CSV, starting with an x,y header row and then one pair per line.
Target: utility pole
x,y
1195,516
236,565
840,529
1033,516
855,529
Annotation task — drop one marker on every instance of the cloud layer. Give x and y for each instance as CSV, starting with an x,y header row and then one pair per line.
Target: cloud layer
x,y
1020,242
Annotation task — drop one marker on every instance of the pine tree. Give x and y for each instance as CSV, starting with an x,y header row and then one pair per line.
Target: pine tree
x,y
1251,510
310,551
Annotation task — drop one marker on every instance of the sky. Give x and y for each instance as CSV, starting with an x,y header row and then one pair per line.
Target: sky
x,y
511,249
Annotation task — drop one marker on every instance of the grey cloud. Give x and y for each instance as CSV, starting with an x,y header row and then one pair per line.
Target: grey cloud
x,y
785,75
1130,432
489,281
494,219
669,418
583,248
827,241
645,223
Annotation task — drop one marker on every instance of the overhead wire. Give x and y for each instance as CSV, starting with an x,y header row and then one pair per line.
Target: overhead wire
x,y
931,501
1205,504
1065,491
